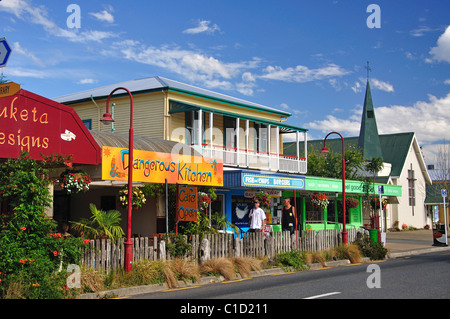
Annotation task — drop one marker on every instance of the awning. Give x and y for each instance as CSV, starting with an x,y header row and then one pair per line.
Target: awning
x,y
181,107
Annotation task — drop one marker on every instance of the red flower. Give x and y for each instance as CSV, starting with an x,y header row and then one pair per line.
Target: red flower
x,y
22,261
86,241
55,253
23,228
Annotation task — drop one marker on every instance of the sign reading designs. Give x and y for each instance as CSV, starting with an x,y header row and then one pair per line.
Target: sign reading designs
x,y
155,167
37,125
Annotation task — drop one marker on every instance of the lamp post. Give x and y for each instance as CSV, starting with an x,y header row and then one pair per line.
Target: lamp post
x,y
107,119
325,150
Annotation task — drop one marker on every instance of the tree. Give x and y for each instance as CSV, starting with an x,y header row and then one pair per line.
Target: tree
x,y
330,164
101,224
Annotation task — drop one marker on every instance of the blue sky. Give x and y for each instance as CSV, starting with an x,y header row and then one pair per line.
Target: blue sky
x,y
304,57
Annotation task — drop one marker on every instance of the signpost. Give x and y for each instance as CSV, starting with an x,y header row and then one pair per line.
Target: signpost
x,y
382,232
444,196
5,51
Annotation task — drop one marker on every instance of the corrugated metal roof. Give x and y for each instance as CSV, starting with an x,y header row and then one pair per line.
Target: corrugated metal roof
x,y
159,83
142,143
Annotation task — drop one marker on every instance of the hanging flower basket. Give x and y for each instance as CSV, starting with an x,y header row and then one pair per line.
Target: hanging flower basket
x,y
320,200
138,197
351,202
74,182
203,200
264,200
375,203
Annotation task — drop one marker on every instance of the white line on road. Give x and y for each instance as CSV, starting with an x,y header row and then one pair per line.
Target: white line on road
x,y
323,295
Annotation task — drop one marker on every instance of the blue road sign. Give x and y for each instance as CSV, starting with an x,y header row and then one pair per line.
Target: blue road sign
x,y
444,192
5,51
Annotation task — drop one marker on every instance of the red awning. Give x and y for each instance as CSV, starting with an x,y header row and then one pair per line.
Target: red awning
x,y
29,122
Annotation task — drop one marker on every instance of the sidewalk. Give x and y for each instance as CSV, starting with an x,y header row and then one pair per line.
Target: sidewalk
x,y
399,244
411,242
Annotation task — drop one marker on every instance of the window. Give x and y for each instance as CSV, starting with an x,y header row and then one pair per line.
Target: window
x,y
88,123
411,187
261,137
191,125
370,114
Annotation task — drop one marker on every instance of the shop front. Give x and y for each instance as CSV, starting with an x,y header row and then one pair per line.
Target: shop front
x,y
318,201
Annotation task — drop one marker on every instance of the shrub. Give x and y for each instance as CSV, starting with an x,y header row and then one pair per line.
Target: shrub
x,y
371,249
32,254
292,260
349,251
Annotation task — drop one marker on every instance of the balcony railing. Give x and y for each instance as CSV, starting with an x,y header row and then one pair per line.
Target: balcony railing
x,y
256,160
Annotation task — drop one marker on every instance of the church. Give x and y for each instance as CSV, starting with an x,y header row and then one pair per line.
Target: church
x,y
403,165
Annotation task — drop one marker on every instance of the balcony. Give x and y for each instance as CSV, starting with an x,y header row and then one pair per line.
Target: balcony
x,y
243,158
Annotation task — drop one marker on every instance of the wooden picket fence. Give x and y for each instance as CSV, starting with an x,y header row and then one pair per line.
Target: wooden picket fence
x,y
107,255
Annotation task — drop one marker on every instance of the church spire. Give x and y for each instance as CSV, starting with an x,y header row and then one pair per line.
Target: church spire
x,y
369,140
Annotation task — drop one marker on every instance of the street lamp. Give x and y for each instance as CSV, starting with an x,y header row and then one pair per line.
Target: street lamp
x,y
107,119
325,150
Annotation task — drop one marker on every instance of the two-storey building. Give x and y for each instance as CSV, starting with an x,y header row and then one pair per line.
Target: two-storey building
x,y
246,137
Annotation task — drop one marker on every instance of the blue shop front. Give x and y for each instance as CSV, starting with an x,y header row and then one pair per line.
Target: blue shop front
x,y
240,186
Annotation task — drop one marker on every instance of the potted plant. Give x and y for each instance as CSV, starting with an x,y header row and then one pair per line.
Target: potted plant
x,y
320,200
351,202
138,197
375,203
203,201
264,200
74,182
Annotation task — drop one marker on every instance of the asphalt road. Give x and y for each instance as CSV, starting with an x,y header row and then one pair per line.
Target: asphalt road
x,y
423,276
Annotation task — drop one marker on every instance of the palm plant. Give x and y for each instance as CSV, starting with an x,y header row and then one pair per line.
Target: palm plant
x,y
101,224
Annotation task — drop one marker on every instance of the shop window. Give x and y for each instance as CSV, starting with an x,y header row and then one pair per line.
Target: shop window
x,y
313,214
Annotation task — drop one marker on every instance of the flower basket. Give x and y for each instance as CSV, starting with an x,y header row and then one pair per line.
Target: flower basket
x,y
320,200
351,202
74,182
203,201
375,203
138,197
264,200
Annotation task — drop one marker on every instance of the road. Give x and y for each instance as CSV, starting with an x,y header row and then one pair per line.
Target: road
x,y
423,276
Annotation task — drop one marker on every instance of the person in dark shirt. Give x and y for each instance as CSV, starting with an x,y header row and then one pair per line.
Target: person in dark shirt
x,y
288,216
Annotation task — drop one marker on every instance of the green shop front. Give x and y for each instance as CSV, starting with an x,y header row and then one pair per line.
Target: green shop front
x,y
241,185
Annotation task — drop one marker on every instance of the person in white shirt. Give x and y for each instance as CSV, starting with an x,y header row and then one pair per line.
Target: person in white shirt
x,y
258,218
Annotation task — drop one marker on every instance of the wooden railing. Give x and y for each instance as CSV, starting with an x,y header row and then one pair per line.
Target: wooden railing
x,y
254,159
107,255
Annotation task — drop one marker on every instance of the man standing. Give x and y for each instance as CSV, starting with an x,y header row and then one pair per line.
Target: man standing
x,y
257,218
288,216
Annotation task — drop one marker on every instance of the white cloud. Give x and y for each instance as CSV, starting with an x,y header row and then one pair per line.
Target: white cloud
x,y
195,66
381,85
428,119
103,16
20,50
377,84
441,52
302,74
87,81
203,27
24,10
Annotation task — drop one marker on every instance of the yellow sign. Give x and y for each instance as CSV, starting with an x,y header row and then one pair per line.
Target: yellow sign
x,y
155,167
8,89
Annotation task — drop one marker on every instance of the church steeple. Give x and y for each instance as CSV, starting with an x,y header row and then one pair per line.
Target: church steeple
x,y
369,140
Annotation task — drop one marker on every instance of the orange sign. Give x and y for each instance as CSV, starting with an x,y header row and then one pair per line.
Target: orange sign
x,y
187,204
156,167
8,89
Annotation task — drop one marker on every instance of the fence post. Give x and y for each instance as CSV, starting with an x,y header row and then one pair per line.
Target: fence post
x,y
162,250
205,250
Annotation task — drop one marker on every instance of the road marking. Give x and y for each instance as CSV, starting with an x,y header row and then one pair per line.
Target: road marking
x,y
284,273
123,297
323,295
176,289
327,267
237,280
